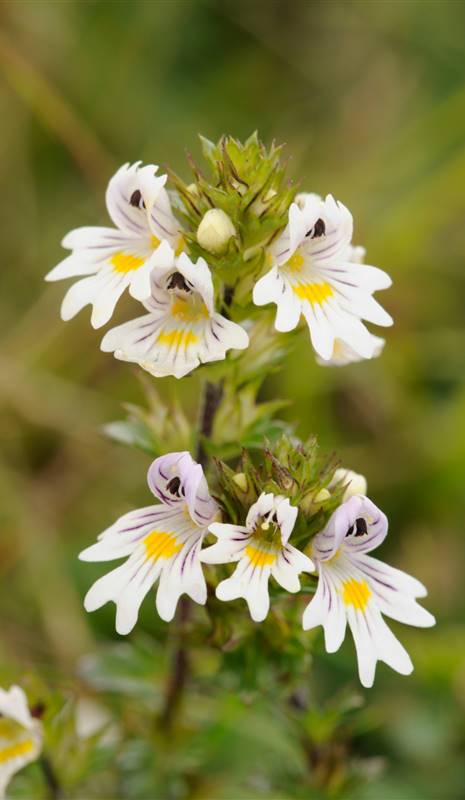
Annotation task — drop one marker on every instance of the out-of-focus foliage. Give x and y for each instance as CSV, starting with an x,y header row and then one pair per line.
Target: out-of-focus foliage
x,y
370,98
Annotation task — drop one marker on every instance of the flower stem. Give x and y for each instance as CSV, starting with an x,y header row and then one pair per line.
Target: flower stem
x,y
54,788
213,392
179,671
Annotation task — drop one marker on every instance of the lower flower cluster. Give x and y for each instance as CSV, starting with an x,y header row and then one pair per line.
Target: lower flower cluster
x,y
163,543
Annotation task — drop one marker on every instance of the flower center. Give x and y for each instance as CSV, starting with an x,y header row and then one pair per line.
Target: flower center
x,y
295,262
190,308
259,557
181,339
15,750
267,531
314,293
356,594
160,544
125,262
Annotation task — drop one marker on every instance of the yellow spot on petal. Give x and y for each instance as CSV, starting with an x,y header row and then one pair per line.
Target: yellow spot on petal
x,y
160,544
314,293
296,262
16,750
125,262
155,242
180,246
181,339
188,310
259,558
356,594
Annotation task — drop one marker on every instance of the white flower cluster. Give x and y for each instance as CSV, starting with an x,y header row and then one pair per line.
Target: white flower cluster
x,y
20,735
315,273
164,542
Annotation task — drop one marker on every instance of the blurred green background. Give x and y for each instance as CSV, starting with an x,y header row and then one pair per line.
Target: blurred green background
x,y
370,99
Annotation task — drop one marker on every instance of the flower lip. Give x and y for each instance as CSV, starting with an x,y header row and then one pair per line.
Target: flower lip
x,y
177,479
357,525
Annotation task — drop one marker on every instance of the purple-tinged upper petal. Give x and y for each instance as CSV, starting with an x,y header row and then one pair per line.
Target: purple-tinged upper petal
x,y
357,525
177,479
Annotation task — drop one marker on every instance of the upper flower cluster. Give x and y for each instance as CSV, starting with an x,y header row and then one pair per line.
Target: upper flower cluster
x,y
314,273
164,542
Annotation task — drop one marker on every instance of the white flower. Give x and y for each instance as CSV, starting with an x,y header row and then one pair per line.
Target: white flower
x,y
146,236
215,231
356,588
315,273
20,735
353,481
261,548
162,541
181,329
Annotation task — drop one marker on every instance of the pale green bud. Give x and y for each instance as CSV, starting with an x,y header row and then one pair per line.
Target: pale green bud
x,y
240,480
355,483
322,495
215,231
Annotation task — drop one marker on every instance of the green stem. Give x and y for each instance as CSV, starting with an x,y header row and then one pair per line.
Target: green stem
x,y
213,393
54,788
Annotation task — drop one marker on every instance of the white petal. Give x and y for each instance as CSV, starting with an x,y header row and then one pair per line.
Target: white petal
x,y
107,587
390,649
343,354
317,609
70,267
321,332
288,311
131,598
104,305
364,645
14,705
268,288
371,279
78,295
257,595
107,550
229,589
168,594
403,582
232,541
287,568
140,283
366,307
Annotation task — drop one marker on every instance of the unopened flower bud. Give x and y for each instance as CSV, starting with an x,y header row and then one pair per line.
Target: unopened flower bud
x,y
322,495
192,189
355,483
240,480
215,231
